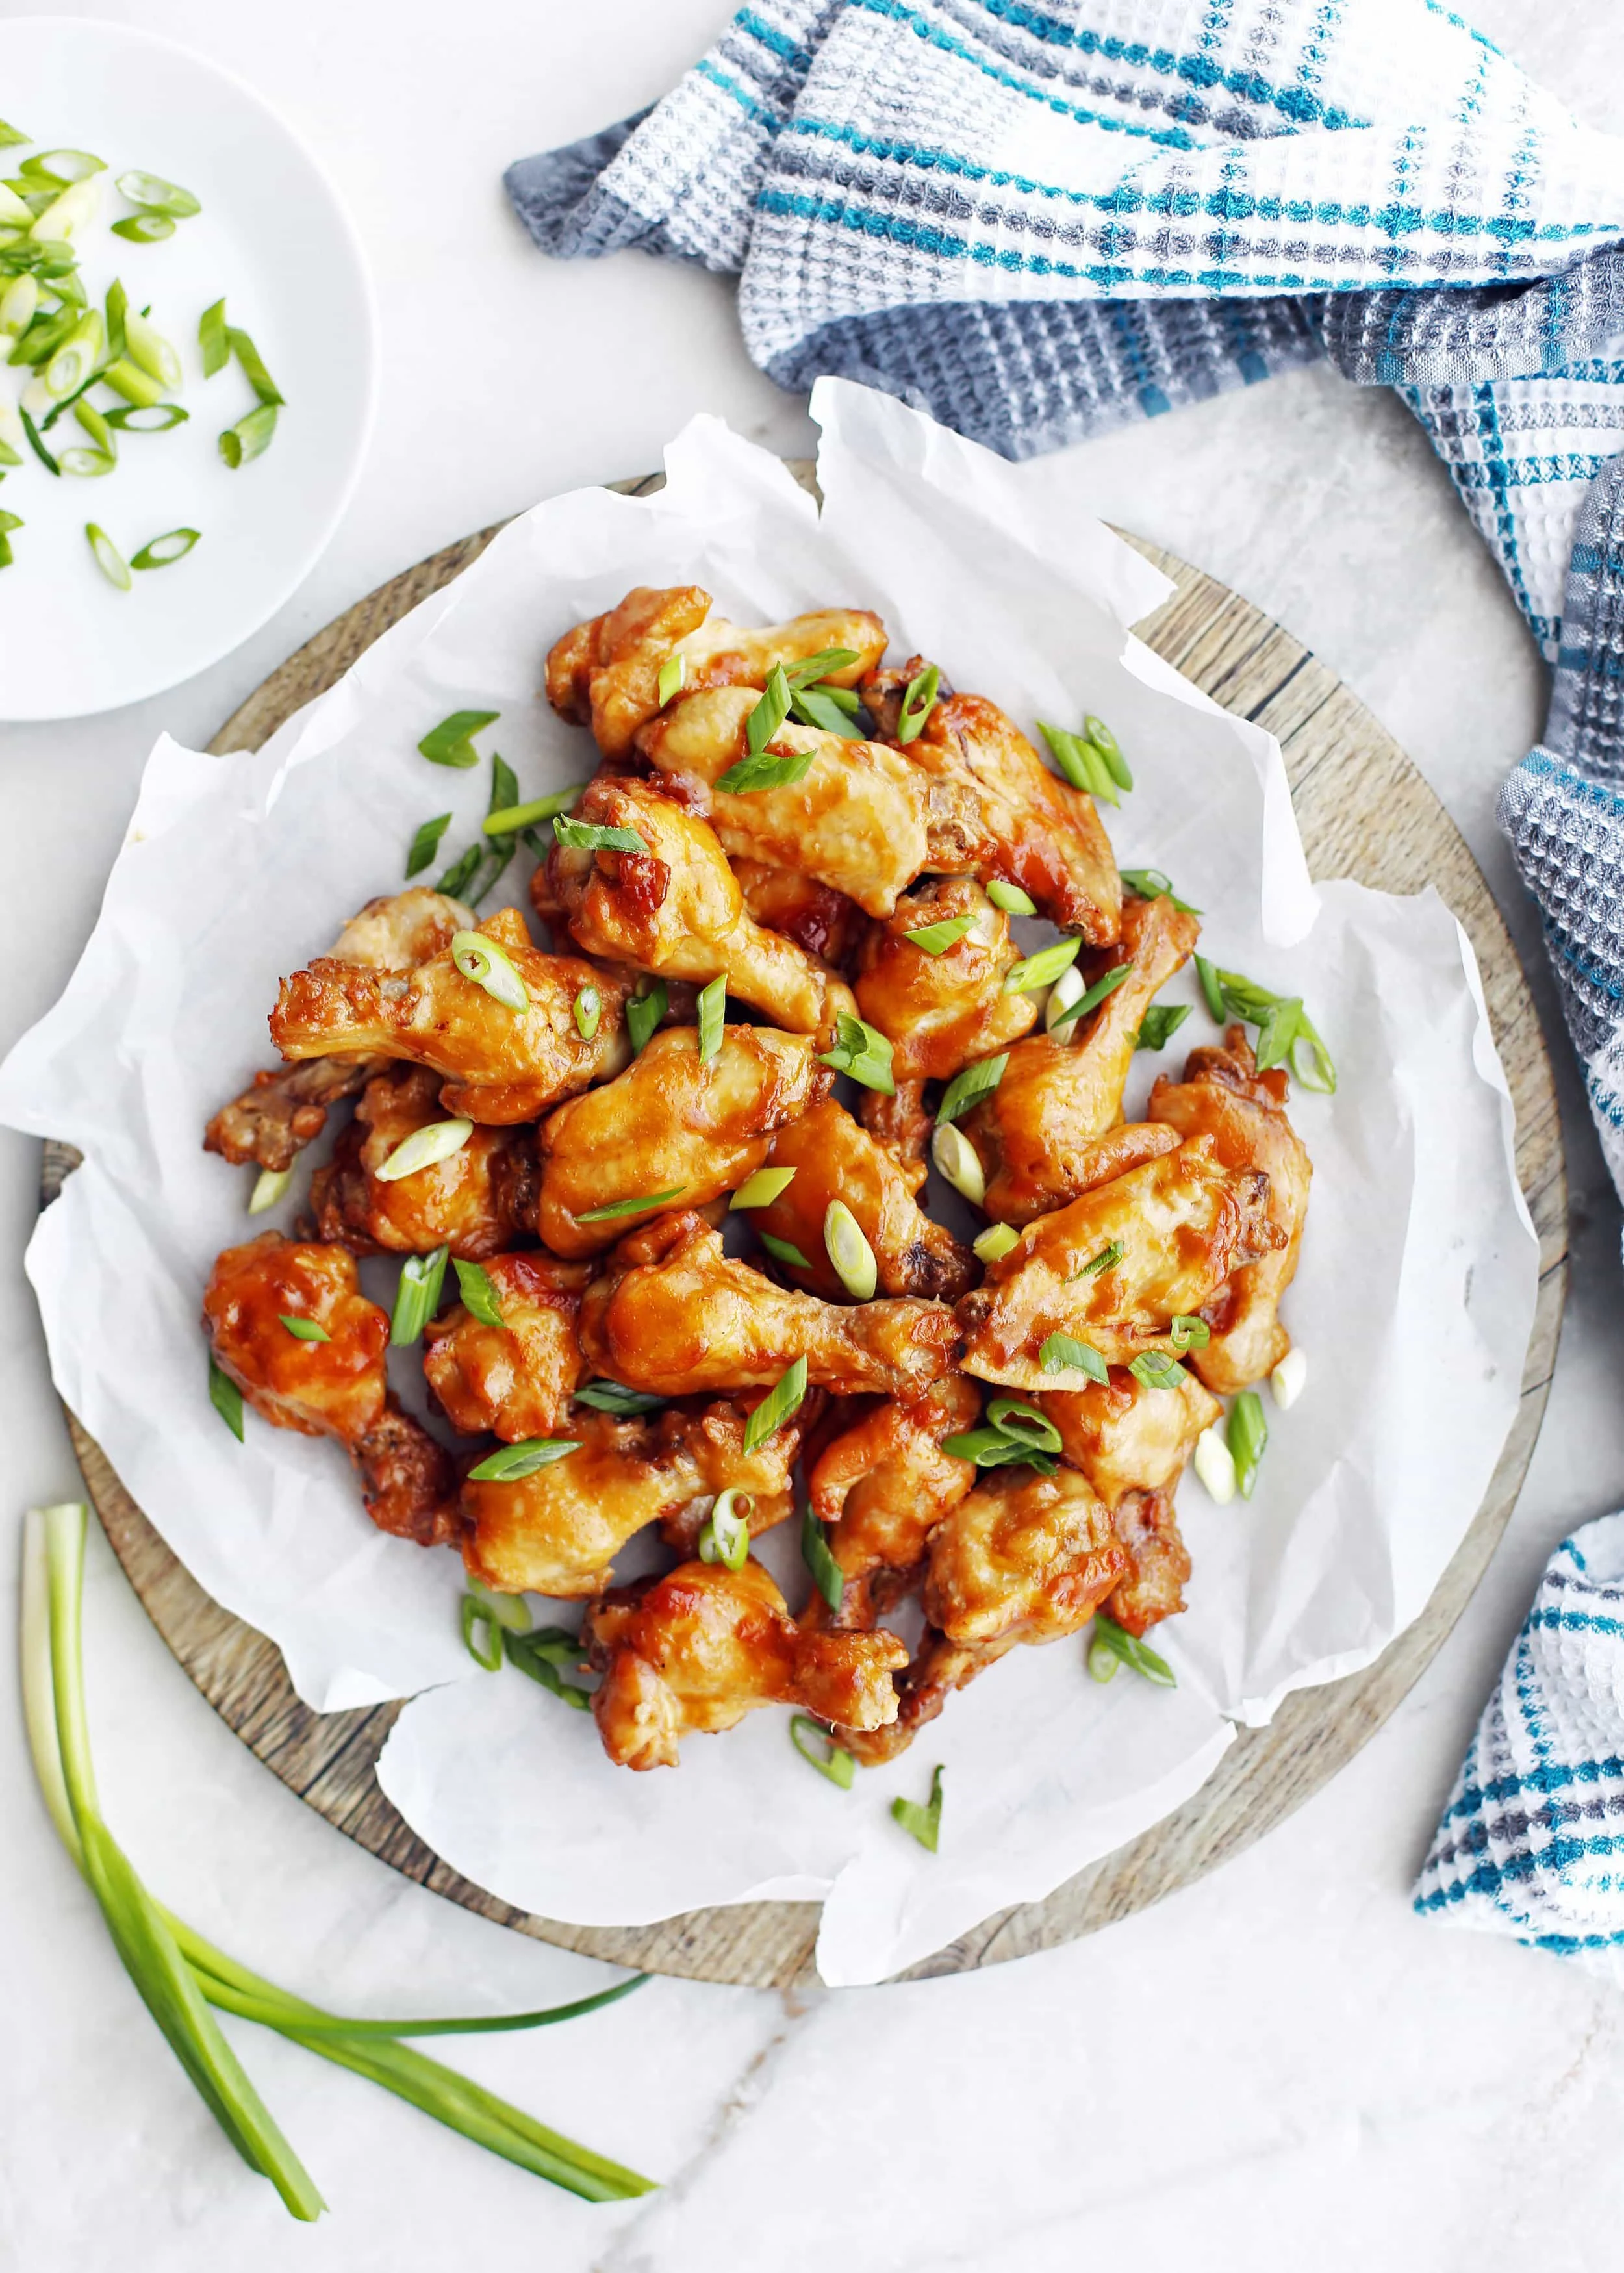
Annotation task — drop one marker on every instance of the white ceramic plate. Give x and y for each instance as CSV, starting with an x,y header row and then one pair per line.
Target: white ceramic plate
x,y
272,237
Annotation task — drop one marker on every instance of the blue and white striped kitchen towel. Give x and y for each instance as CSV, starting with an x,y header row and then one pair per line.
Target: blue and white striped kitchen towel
x,y
1036,221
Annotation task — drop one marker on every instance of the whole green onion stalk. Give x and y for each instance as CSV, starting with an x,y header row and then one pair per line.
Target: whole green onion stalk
x,y
182,1978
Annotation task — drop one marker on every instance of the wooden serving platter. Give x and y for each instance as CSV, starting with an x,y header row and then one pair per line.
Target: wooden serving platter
x,y
1365,811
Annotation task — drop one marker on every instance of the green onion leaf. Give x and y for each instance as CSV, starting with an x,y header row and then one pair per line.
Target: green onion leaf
x,y
1107,743
227,1399
959,1162
768,715
638,1206
813,667
1157,1370
1083,765
712,1011
305,1329
450,743
1094,997
762,1189
88,464
924,1824
253,364
539,1656
777,1406
588,1009
41,453
1107,1257
212,339
1024,1423
988,1447
968,1086
488,964
424,1148
1064,1353
138,388
1279,1028
862,1052
919,701
1153,884
108,559
1042,969
609,1397
476,1613
1246,1434
814,708
849,1252
1317,1072
149,349
1162,1021
1130,1651
461,873
1211,991
593,837
937,938
827,1575
784,1250
995,1243
478,1291
1189,1332
511,1462
145,228
511,1612
1285,1028
116,305
507,820
765,771
673,673
426,844
157,195
724,1535
1104,1664
1010,898
832,1760
163,551
269,1186
242,444
644,1013
416,1297
62,166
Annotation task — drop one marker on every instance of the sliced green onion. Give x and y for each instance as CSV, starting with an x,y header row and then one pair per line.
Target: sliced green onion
x,y
305,1330
644,1013
426,844
1105,1260
673,675
777,1406
762,1189
507,820
959,1162
89,465
968,1086
1064,1353
610,1397
816,709
76,205
511,1612
1080,764
1107,743
1288,1379
1215,1465
588,1009
62,166
1212,993
540,1656
145,418
157,195
455,882
924,1823
831,1760
143,227
450,743
1284,1029
724,1535
227,1399
488,964
995,1243
212,339
1104,1664
1069,987
250,437
1042,969
138,388
149,349
849,1252
827,1575
1132,1652
769,713
41,451
44,335
478,1292
813,667
593,837
1010,898
784,1250
1155,884
1161,1021
1189,1332
163,551
6,554
13,136
77,356
509,1462
1247,1435
269,1186
477,1614
18,305
416,1297
1091,999
937,938
252,365
862,1052
712,1011
919,701
1010,1417
766,771
1157,1370
108,559
1316,1072
423,1149
638,1206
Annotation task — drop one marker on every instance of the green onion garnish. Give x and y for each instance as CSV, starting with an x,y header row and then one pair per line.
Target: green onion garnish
x,y
108,559
117,307
712,1011
477,1613
13,136
1207,974
768,715
145,228
968,1086
461,873
994,1448
827,1575
644,1013
924,1824
1011,898
149,349
763,770
813,667
426,844
609,1397
638,1206
305,1330
673,672
253,368
1107,1257
1103,1663
1189,1332
724,1535
783,1250
1247,1433
831,1760
138,388
937,938
88,464
1157,1370
1284,1030
777,1406
490,965
163,551
1042,969
212,339
995,1243
1093,998
862,1052
269,1186
813,707
41,453
1064,1353
593,837
917,703
77,356
541,1654
1126,1648
1154,884
157,195
450,743
416,1296
1010,1417
424,1148
762,1189
1107,743
959,1162
57,221
506,821
251,437
1162,1021
478,1292
62,166
509,1462
588,1009
849,1252
1083,765
227,1398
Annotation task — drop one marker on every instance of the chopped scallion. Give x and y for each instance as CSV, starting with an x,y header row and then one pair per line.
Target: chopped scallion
x,y
784,1250
970,1085
138,387
438,1141
108,559
1189,1332
145,418
762,769
1092,997
1013,1418
253,364
1106,742
1010,898
817,708
506,821
1215,1465
827,1575
89,465
455,882
269,1187
673,672
831,1760
724,1535
157,195
1080,764
848,1250
450,743
919,701
144,227
1132,1652
1161,1021
478,1616
644,1013
478,1291
827,660
762,1189
416,1296
227,1398
1042,969
305,1330
937,938
862,1052
1211,991
488,964
1106,1259
924,1823
149,349
959,1162
163,551
1153,884
250,437
1288,1378
995,1243
511,1462
640,1205
212,339
1157,1370
1064,1353
712,1011
609,1397
1247,1434
540,1656
594,837
777,1406
426,844
769,713
588,1010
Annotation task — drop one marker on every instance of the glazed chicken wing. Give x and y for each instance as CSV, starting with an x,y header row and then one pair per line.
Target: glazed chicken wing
x,y
333,1387
834,1158
282,1112
678,910
501,1065
674,1315
469,1202
515,1379
1125,1437
606,672
942,1010
671,1124
1183,1223
882,1484
815,916
1154,1587
1037,1134
697,1650
1224,1096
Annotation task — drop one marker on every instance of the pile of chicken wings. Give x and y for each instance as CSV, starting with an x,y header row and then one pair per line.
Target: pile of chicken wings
x,y
802,895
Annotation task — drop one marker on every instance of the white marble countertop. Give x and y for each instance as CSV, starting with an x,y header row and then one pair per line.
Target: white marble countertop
x,y
1281,2066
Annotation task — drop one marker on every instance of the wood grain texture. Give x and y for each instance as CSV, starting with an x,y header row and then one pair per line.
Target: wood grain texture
x,y
1365,811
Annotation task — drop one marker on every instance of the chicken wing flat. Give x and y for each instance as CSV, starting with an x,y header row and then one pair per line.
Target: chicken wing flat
x,y
942,1010
606,672
674,1315
469,1203
815,916
834,1158
1224,1096
678,910
1154,1588
1125,1437
334,1387
671,1122
282,1112
502,1065
861,819
1035,1135
695,1651
1037,831
1183,1224
882,1484
515,1379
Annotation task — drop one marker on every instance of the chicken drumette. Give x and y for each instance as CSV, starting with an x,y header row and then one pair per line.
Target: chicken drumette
x,y
515,1379
472,1202
881,1483
834,1158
